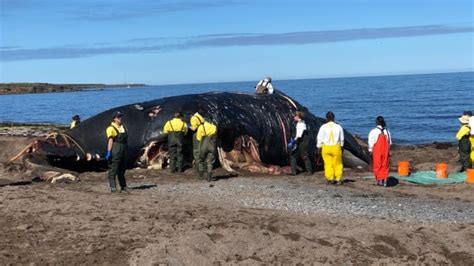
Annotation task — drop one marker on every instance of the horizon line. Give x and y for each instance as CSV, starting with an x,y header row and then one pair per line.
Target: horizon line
x,y
325,77
243,81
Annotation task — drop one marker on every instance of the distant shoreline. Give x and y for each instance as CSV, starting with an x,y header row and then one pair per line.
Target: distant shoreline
x,y
24,88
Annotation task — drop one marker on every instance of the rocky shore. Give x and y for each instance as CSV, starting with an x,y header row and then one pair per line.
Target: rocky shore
x,y
18,88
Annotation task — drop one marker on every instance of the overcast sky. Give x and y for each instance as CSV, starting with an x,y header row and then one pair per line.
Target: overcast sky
x,y
174,42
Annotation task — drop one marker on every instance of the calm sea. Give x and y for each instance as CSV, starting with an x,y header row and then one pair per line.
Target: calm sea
x,y
417,108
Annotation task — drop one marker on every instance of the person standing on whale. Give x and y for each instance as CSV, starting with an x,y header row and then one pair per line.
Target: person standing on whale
x,y
264,86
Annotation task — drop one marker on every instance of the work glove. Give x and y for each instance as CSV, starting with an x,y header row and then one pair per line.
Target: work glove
x,y
291,144
108,155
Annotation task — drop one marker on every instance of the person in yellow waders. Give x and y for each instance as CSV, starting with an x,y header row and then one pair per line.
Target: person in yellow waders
x,y
330,143
196,120
176,130
472,149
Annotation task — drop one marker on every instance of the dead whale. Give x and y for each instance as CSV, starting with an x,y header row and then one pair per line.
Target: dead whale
x,y
253,131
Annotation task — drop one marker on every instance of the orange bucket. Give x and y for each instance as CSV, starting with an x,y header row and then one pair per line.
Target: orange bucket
x,y
470,175
441,170
403,168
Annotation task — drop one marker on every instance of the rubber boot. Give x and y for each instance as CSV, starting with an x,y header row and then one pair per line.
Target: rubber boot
x,y
209,177
196,167
113,187
293,165
309,166
172,166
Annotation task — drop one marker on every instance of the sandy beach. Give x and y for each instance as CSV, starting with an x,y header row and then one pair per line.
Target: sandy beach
x,y
91,85
249,219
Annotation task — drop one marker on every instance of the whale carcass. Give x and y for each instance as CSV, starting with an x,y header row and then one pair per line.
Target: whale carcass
x,y
253,131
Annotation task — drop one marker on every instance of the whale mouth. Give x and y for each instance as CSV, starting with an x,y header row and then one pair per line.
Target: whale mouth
x,y
154,155
245,155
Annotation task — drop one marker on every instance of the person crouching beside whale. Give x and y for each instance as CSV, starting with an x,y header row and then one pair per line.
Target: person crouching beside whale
x,y
300,146
330,143
196,120
206,135
117,138
379,146
176,130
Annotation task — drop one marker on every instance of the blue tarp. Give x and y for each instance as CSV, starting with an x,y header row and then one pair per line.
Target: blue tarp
x,y
429,177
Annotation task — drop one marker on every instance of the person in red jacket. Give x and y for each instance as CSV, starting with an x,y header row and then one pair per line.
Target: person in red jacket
x,y
379,145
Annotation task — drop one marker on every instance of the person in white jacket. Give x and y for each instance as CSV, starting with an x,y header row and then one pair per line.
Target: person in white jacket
x,y
301,142
330,142
380,140
264,86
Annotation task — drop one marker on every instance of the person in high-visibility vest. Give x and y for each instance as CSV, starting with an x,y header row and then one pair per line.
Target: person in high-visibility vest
x,y
206,135
196,120
176,130
471,126
464,142
330,143
379,141
117,139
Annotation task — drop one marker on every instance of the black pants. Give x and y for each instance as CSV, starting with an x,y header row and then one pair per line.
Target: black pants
x,y
302,152
175,147
465,152
117,166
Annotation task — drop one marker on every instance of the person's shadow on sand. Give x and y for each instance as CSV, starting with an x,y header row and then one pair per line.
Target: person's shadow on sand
x,y
143,187
225,176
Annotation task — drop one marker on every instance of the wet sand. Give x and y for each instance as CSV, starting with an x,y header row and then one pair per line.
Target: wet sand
x,y
249,219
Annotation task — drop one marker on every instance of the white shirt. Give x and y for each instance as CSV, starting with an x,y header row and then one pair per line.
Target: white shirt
x,y
330,134
374,136
471,124
267,84
300,128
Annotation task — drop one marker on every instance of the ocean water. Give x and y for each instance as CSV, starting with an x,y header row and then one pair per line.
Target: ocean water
x,y
417,108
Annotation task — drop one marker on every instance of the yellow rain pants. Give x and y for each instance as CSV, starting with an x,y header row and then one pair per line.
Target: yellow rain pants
x,y
471,138
332,156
